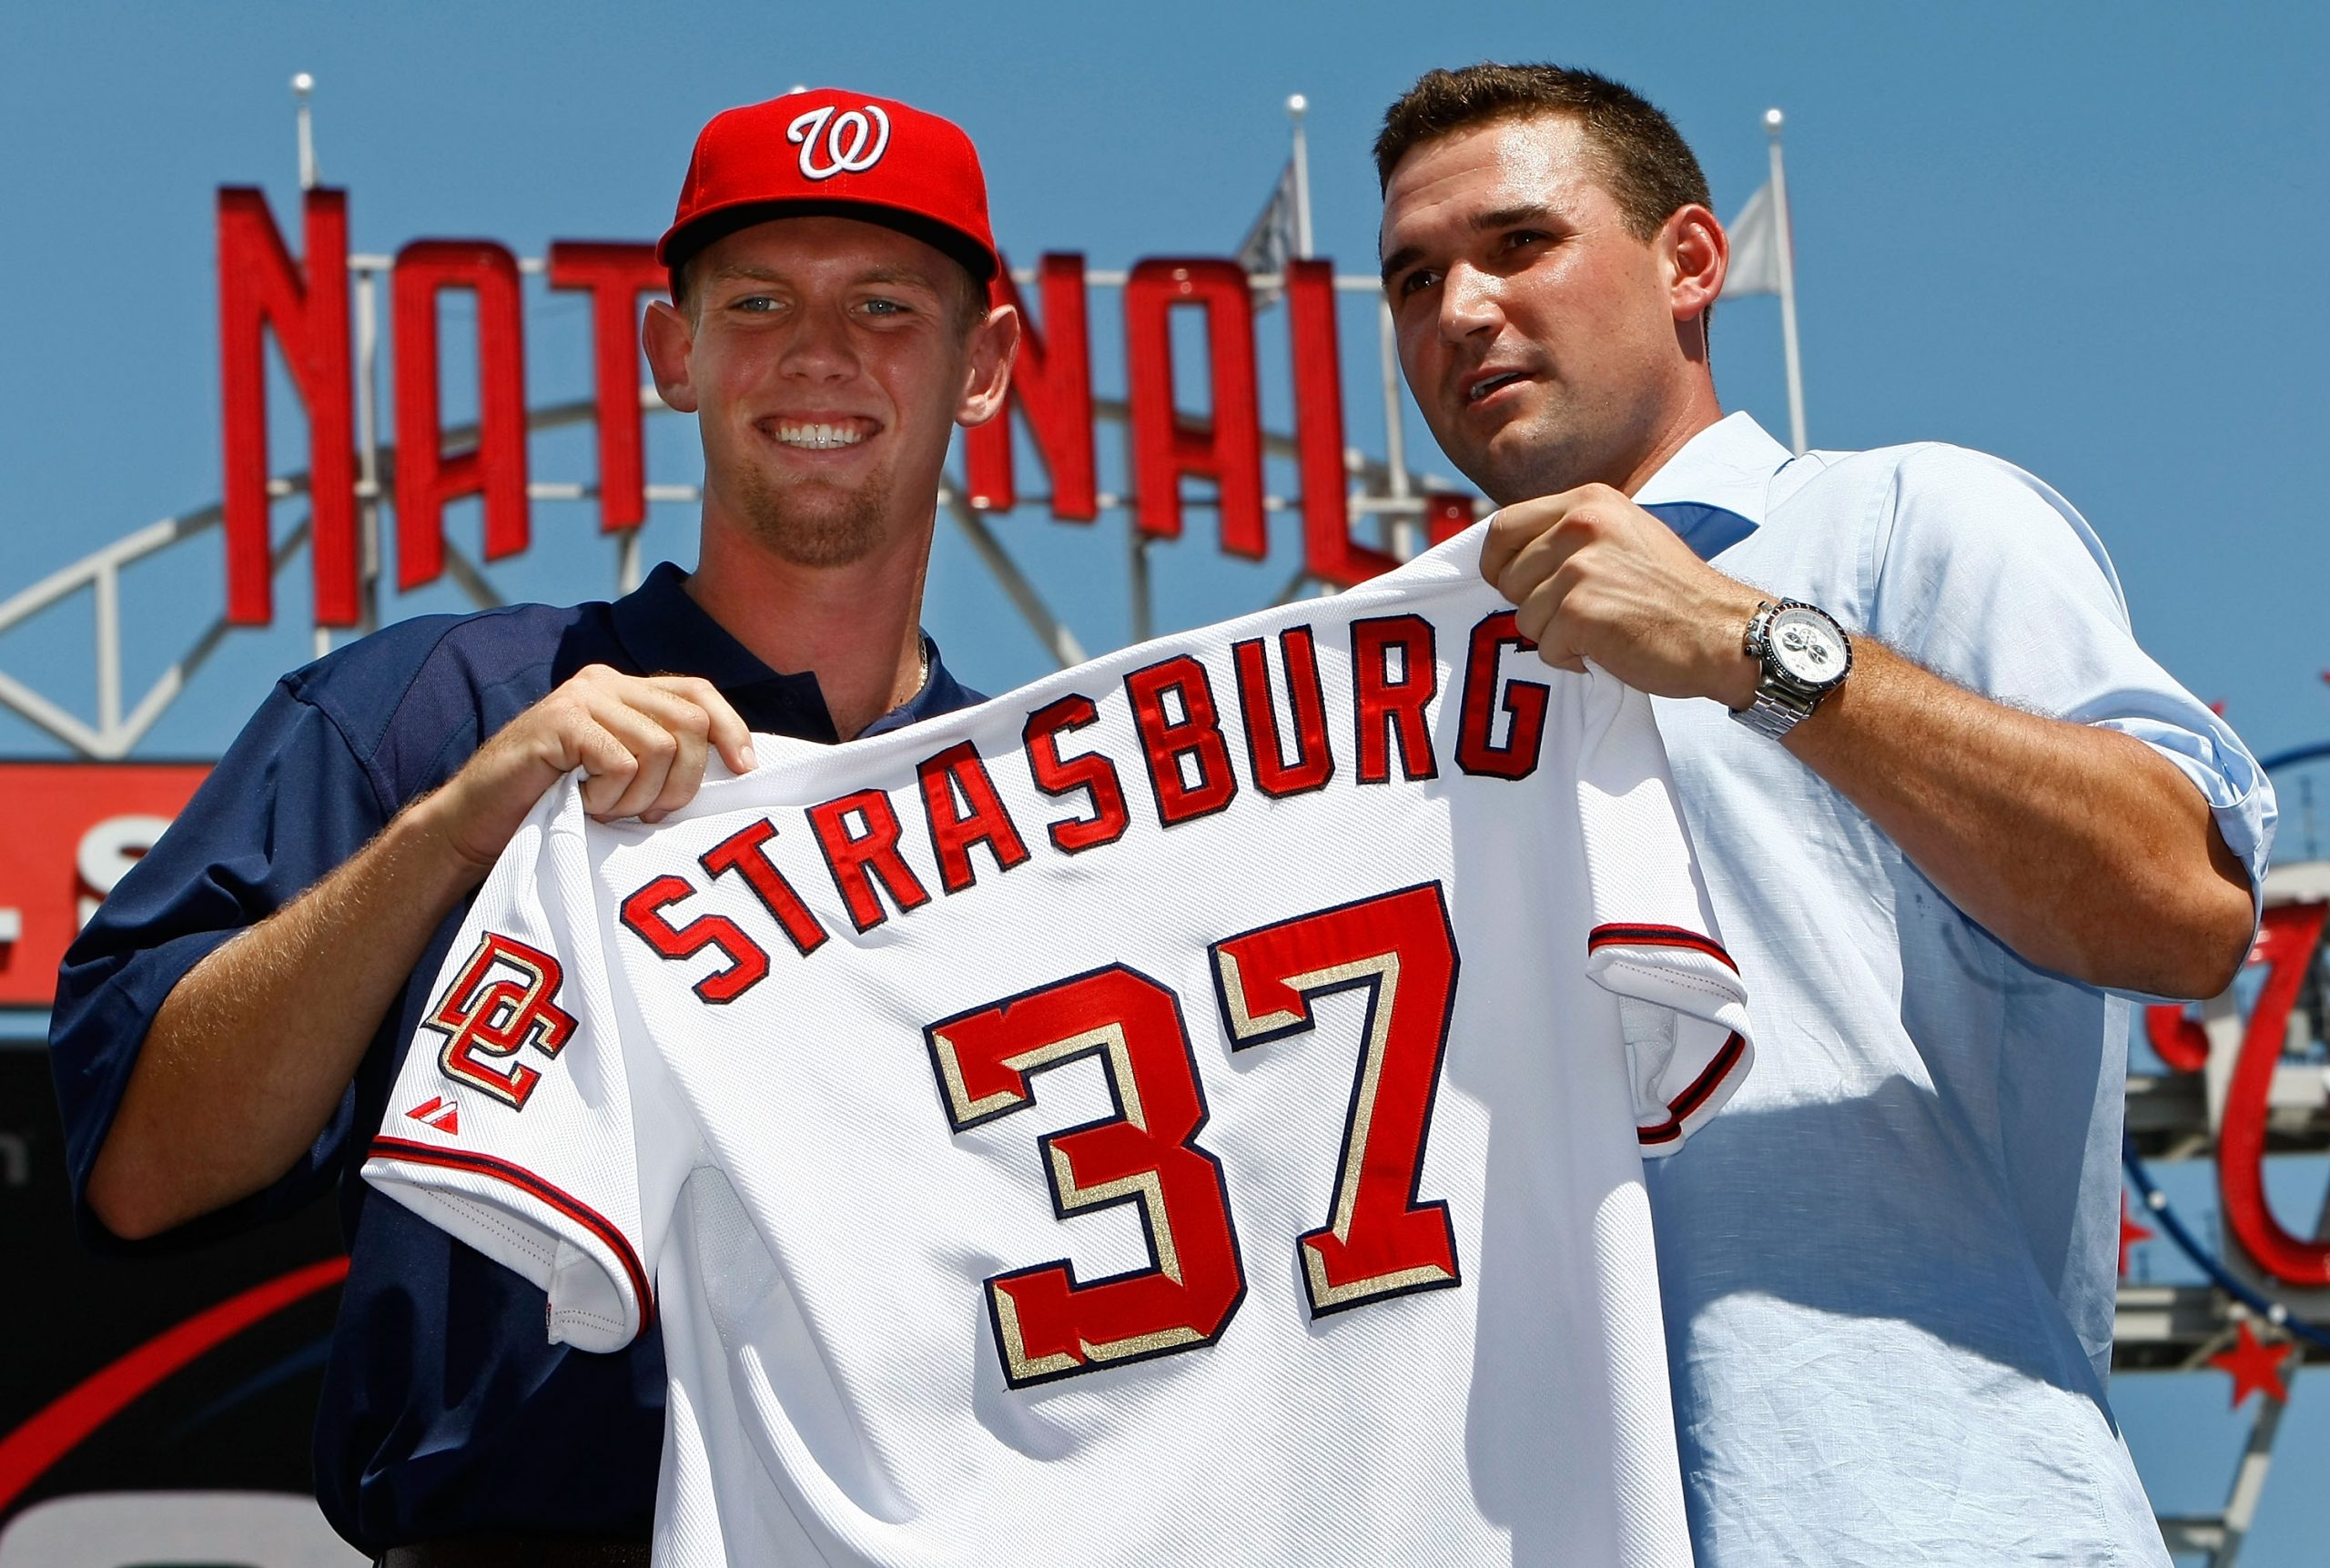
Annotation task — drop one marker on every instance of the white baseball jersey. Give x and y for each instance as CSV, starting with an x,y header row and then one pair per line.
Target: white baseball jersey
x,y
1189,1109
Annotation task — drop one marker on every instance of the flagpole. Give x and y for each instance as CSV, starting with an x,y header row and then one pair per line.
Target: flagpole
x,y
303,85
1773,121
1295,108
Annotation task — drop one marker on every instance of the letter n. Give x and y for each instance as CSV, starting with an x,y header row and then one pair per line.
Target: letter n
x,y
1051,385
306,304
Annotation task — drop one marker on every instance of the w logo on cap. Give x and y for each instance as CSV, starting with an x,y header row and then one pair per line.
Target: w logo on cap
x,y
753,161
853,142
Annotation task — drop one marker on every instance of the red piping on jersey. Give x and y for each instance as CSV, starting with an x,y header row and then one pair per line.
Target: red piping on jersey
x,y
60,1427
1680,1107
526,1181
1658,937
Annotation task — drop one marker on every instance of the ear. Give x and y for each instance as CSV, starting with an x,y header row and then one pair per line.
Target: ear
x,y
669,339
1697,254
994,344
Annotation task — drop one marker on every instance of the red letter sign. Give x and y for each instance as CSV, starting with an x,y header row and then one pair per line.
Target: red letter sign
x,y
1328,550
260,285
1229,451
1447,513
2285,945
1051,385
496,468
616,275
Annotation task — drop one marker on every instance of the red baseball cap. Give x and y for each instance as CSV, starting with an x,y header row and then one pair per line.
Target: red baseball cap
x,y
827,151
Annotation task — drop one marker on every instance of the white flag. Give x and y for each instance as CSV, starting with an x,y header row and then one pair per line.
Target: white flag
x,y
1755,247
1275,239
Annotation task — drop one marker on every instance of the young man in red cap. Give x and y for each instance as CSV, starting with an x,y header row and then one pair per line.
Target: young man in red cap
x,y
227,1027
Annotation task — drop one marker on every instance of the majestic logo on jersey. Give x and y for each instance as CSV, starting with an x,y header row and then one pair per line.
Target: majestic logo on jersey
x,y
504,998
854,142
438,1112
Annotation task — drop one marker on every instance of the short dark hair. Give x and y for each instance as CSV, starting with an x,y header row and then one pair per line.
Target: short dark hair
x,y
1647,167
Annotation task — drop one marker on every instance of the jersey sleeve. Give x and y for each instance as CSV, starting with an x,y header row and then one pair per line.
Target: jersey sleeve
x,y
1651,937
527,1121
1984,573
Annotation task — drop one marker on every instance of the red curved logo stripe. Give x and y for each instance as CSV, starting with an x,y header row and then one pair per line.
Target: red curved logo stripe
x,y
26,1453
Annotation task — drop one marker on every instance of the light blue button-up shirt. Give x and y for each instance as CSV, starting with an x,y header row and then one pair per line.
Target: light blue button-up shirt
x,y
1890,1263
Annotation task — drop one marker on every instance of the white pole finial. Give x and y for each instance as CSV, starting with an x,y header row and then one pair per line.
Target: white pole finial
x,y
1773,120
302,85
1297,105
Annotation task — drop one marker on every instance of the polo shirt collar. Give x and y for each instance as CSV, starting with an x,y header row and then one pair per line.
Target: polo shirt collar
x,y
1713,492
663,629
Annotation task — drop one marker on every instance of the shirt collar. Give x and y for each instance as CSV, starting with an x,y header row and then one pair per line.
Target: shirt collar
x,y
664,630
940,694
1714,492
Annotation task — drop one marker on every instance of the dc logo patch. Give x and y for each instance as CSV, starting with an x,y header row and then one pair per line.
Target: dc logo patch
x,y
503,999
850,143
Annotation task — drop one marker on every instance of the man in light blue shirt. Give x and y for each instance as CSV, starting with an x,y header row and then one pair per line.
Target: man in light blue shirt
x,y
1952,816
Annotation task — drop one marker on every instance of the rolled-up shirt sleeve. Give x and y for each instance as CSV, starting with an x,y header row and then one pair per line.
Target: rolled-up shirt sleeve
x,y
2227,777
1984,573
288,802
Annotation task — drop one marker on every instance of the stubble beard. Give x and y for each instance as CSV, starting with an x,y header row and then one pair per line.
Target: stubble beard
x,y
1545,467
1558,449
1518,465
817,527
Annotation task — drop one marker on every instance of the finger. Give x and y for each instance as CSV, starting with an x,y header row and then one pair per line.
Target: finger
x,y
1548,618
689,726
653,749
676,704
1516,529
608,765
1540,582
1509,530
1541,558
1554,645
1553,548
1534,618
727,731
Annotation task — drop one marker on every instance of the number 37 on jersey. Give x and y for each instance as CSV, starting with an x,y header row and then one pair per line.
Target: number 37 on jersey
x,y
1376,1240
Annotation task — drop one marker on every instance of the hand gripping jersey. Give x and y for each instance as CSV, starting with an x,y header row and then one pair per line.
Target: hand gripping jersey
x,y
1188,1110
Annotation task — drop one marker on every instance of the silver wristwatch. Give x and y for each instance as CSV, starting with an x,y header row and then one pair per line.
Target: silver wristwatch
x,y
1804,655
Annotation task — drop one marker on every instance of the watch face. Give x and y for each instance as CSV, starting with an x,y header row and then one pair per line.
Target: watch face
x,y
1806,646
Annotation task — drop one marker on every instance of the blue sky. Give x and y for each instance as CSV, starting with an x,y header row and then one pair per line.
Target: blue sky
x,y
2080,236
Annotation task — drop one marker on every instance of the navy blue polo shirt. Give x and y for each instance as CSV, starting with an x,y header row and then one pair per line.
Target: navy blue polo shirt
x,y
444,1410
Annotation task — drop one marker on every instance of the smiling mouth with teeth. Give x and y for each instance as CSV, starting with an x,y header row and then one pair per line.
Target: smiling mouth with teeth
x,y
819,436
